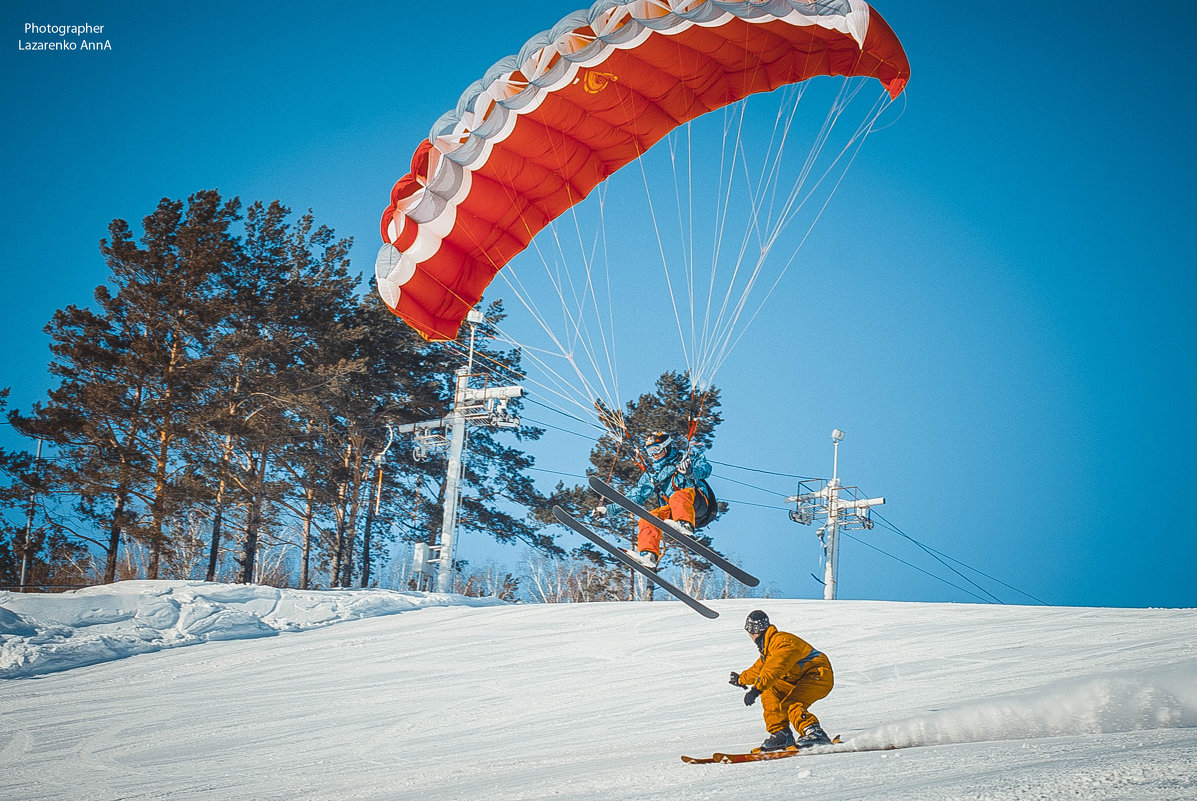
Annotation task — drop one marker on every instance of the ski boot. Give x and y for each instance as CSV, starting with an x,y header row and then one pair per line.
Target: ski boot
x,y
814,735
646,558
778,741
682,526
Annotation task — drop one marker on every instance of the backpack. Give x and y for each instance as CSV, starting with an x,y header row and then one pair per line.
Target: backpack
x,y
706,505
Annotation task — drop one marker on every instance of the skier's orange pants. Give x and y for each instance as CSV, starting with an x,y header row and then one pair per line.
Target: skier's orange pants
x,y
680,507
786,702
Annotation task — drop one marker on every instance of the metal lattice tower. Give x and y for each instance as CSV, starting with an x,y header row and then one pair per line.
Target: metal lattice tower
x,y
839,508
483,405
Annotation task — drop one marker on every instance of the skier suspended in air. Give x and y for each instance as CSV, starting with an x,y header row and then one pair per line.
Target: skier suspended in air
x,y
705,507
675,479
788,677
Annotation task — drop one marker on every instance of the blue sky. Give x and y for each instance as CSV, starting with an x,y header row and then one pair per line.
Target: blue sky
x,y
996,307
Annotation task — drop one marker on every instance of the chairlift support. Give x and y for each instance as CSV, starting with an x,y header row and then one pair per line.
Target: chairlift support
x,y
472,405
839,507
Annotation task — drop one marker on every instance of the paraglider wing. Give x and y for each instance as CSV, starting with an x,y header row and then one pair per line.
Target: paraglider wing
x,y
543,128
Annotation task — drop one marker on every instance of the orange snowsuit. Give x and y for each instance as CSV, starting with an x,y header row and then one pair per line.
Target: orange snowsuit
x,y
791,675
680,507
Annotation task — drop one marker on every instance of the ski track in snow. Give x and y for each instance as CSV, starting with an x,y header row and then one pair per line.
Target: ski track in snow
x,y
458,698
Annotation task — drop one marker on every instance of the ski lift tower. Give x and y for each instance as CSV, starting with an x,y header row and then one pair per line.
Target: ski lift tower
x,y
472,405
839,507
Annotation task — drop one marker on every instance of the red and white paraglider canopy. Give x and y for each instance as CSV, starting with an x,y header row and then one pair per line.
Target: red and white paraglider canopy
x,y
543,128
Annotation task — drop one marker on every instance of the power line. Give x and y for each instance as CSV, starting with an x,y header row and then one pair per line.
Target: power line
x,y
937,554
750,486
543,424
927,550
766,472
733,502
553,472
915,567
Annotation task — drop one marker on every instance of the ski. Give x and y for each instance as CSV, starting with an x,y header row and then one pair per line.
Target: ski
x,y
684,540
565,518
732,759
834,747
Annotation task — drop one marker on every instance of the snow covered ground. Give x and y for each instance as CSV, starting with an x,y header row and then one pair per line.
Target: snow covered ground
x,y
427,696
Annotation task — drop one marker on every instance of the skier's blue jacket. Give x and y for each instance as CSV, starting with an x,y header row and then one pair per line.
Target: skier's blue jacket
x,y
663,477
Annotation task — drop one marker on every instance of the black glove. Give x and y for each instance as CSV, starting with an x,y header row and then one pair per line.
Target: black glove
x,y
735,680
683,467
751,696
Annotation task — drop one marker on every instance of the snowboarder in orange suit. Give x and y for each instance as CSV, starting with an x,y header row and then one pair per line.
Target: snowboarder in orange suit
x,y
789,676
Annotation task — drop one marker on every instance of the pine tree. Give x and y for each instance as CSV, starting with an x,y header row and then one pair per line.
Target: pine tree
x,y
128,371
287,305
167,313
233,378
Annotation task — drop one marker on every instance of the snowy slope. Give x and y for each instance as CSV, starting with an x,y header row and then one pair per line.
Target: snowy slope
x,y
437,697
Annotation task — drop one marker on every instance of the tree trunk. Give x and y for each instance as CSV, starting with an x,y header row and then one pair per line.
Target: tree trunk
x,y
338,548
114,535
249,551
156,511
371,502
120,500
157,508
339,572
253,523
309,512
350,536
218,516
226,459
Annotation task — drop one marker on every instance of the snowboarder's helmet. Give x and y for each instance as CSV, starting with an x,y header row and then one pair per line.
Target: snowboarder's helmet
x,y
658,444
756,623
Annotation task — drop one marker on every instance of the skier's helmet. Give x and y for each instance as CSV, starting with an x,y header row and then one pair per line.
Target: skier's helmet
x,y
757,622
658,444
